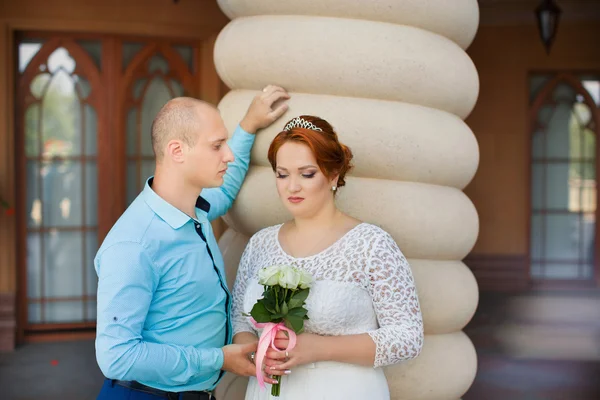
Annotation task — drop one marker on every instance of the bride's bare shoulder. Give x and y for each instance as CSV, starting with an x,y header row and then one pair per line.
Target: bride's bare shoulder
x,y
350,222
267,232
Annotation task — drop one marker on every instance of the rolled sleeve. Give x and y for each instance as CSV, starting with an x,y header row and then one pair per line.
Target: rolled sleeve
x,y
221,198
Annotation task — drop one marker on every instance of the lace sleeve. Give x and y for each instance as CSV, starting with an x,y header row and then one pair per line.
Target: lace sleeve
x,y
241,323
392,288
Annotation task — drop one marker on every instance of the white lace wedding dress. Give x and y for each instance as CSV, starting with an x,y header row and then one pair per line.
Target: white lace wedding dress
x,y
363,284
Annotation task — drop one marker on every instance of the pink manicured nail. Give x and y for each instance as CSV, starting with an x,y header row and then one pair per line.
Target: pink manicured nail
x,y
287,371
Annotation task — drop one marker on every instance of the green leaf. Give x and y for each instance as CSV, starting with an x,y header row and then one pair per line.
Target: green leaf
x,y
270,304
273,299
295,323
260,313
301,295
268,295
270,309
293,303
298,312
284,308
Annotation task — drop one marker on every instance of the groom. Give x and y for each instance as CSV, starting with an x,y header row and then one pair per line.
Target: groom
x,y
163,326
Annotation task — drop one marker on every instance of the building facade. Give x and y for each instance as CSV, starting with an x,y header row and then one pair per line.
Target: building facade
x,y
81,81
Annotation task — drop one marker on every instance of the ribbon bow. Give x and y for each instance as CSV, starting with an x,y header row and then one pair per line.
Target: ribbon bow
x,y
267,337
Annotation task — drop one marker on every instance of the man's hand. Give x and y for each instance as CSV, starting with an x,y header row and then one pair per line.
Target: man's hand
x,y
236,359
265,109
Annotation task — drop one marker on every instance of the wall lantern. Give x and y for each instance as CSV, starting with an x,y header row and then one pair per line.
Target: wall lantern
x,y
547,14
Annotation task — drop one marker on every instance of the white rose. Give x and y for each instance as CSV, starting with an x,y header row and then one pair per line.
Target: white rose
x,y
269,276
289,277
305,280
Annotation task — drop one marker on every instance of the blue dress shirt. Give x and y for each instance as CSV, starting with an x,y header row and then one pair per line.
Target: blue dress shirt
x,y
163,302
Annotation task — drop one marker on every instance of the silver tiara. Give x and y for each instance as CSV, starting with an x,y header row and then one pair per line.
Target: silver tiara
x,y
299,122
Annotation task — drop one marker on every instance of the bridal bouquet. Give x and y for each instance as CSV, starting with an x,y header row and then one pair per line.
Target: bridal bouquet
x,y
280,309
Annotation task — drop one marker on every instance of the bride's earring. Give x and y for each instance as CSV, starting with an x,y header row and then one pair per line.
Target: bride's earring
x,y
333,188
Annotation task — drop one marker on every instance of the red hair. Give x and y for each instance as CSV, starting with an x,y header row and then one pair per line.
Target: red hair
x,y
333,158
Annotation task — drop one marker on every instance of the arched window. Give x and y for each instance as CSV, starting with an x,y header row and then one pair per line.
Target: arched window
x,y
155,74
564,146
59,97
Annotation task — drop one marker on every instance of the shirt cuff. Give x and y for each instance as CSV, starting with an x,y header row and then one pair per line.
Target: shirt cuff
x,y
215,359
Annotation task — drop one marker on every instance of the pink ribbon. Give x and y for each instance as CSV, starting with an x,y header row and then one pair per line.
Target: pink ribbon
x,y
269,333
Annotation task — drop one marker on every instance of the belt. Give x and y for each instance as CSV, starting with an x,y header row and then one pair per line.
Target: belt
x,y
190,395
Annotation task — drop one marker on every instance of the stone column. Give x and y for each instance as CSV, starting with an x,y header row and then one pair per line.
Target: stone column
x,y
393,79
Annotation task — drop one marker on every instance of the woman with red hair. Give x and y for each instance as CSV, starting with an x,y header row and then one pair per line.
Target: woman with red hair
x,y
363,305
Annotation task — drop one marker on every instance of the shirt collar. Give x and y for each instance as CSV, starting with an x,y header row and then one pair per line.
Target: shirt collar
x,y
169,213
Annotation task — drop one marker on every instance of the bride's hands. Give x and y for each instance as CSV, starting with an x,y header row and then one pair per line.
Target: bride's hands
x,y
307,350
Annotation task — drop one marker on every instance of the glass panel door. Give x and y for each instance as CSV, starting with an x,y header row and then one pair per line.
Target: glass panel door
x,y
563,181
60,127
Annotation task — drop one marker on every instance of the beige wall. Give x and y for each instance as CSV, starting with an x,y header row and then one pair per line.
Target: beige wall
x,y
190,19
504,56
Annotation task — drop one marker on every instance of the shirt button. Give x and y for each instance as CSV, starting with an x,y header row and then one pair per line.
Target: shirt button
x,y
197,226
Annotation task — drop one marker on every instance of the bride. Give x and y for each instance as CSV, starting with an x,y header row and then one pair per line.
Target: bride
x,y
363,306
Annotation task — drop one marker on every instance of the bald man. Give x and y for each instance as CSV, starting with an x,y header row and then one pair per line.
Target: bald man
x,y
163,324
